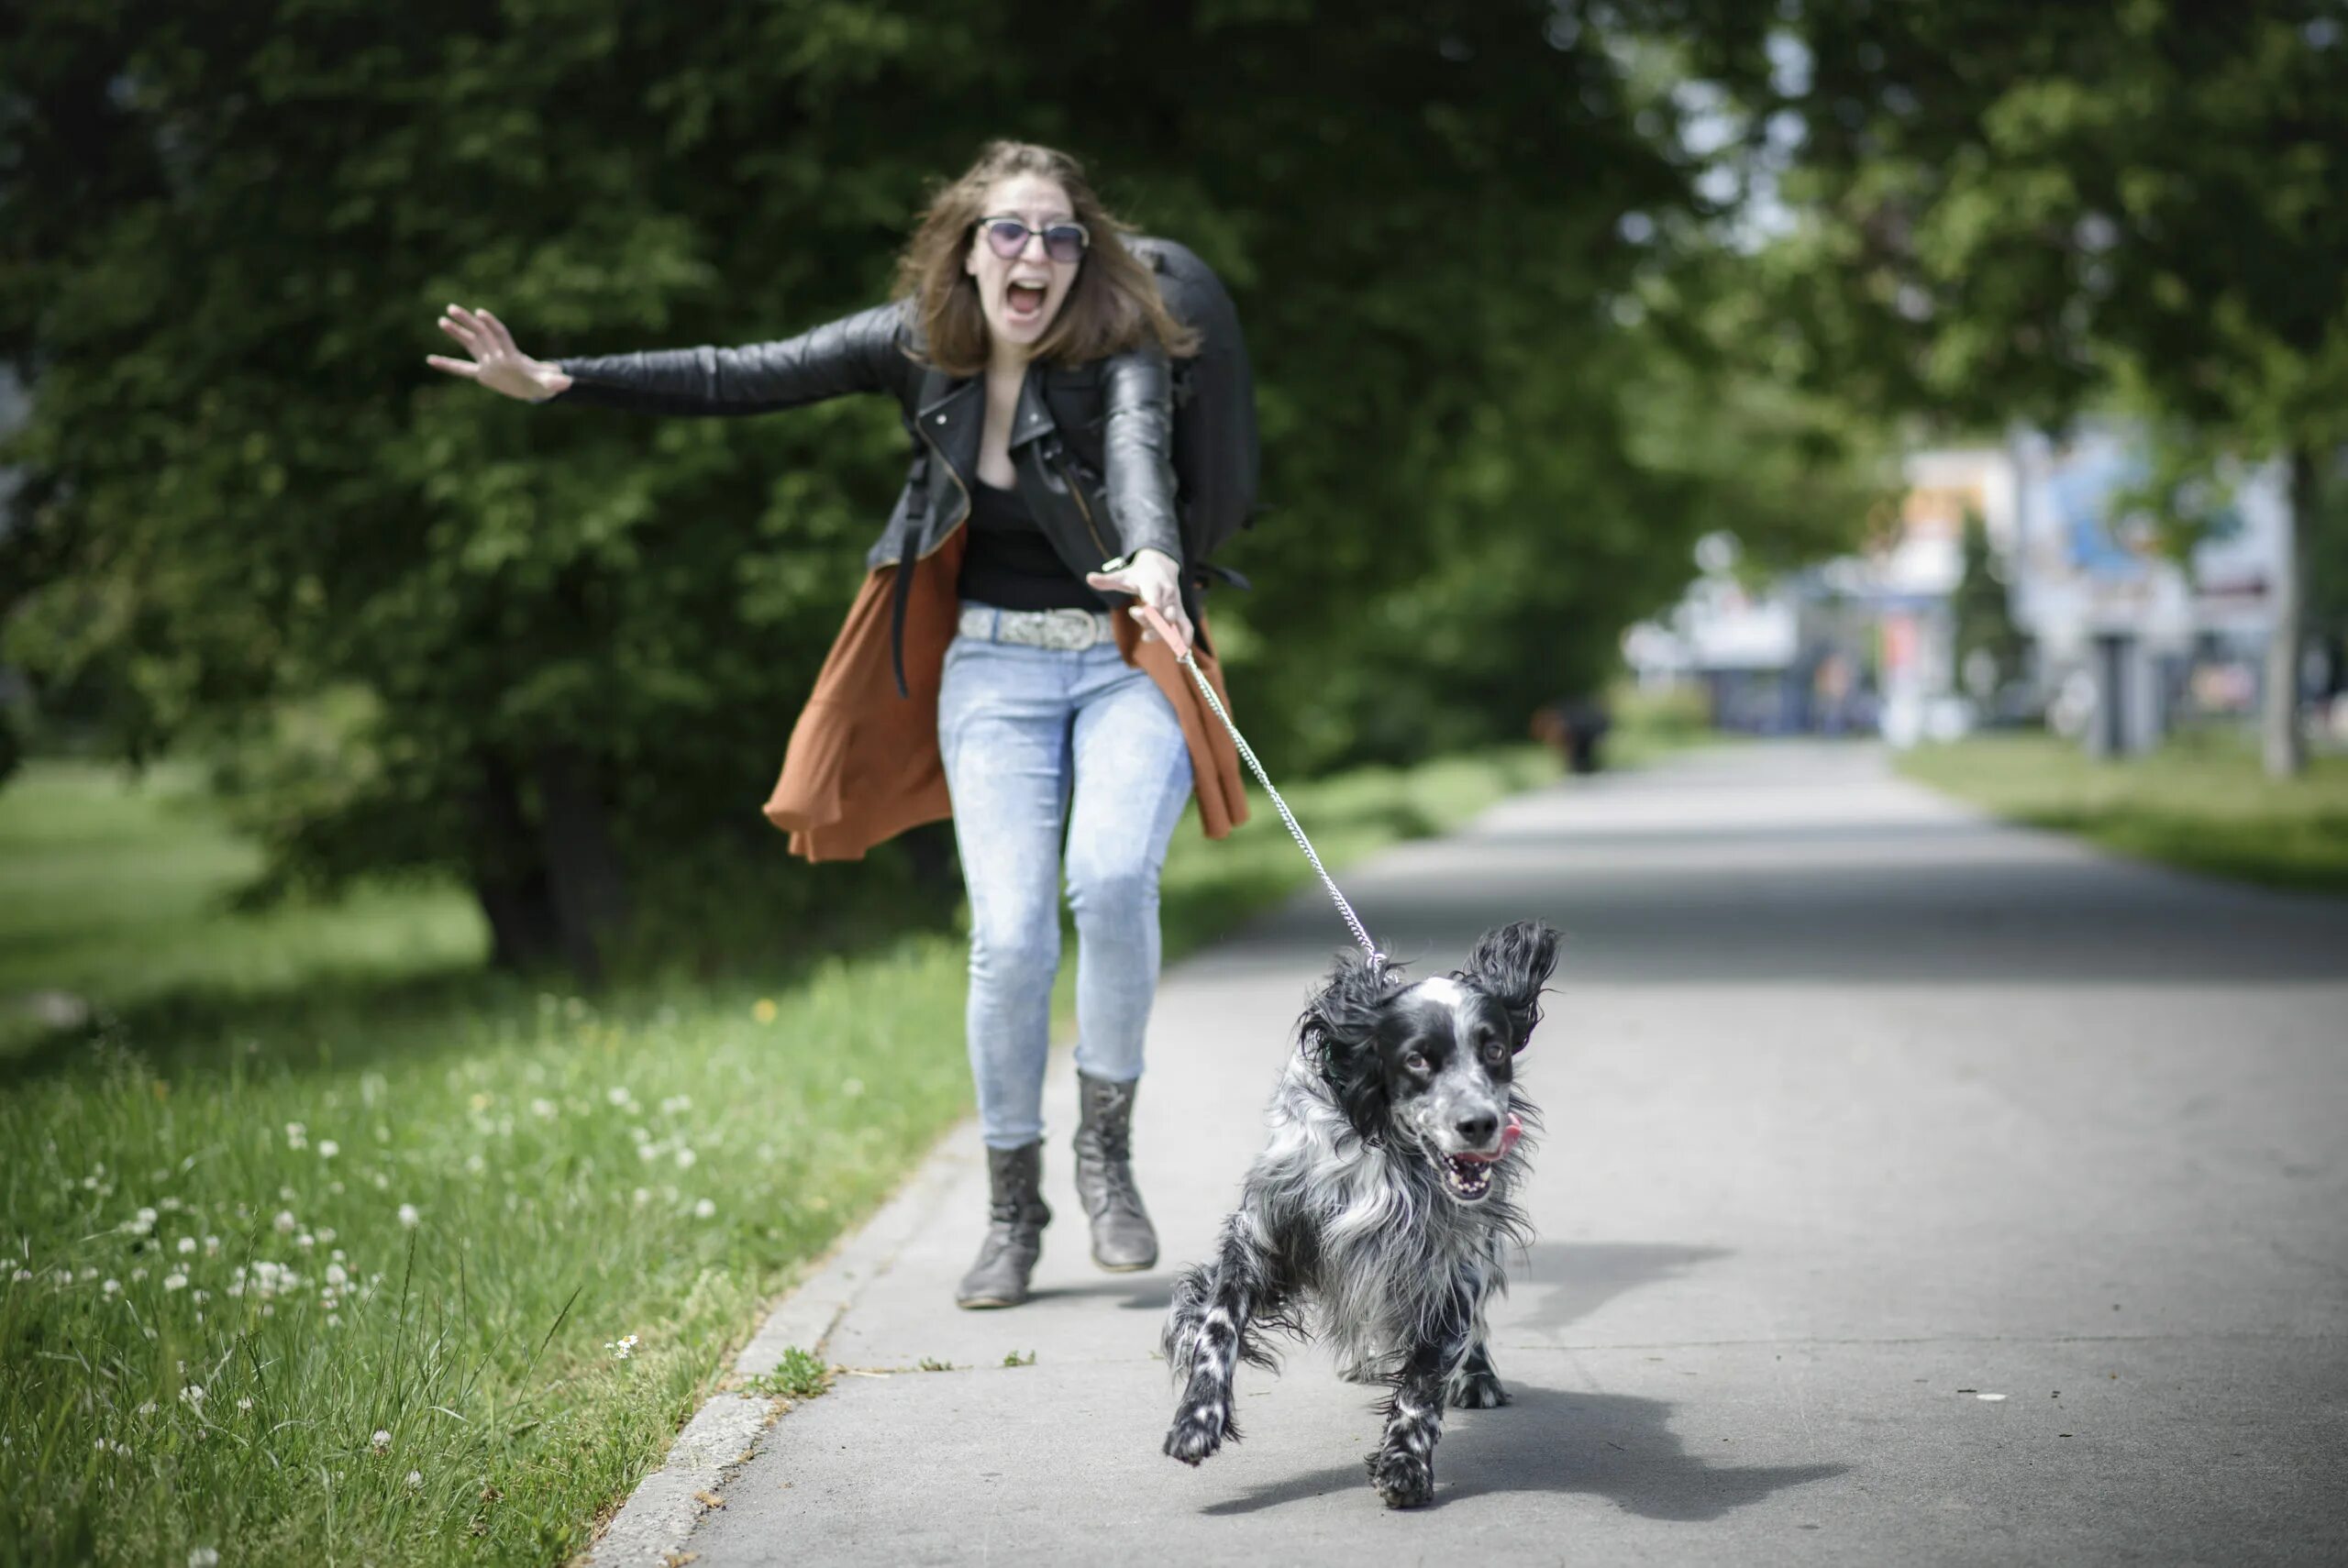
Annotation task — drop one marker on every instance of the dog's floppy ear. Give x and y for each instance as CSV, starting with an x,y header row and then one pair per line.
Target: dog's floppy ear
x,y
1338,1033
1511,965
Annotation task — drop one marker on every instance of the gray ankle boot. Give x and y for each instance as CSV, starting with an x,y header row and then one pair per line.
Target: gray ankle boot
x,y
1016,1219
1123,1239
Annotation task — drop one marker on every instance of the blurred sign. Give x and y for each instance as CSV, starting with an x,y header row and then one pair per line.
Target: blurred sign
x,y
2089,559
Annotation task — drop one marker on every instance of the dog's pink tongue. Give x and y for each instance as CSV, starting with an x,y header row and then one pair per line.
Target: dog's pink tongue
x,y
1508,1135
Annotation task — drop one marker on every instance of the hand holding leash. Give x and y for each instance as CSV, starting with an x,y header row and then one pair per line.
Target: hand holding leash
x,y
1156,583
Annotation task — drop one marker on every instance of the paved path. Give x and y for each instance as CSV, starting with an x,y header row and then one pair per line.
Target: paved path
x,y
1861,1110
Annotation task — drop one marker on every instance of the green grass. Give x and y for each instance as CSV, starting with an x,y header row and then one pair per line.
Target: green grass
x,y
1650,725
395,1217
114,889
2202,803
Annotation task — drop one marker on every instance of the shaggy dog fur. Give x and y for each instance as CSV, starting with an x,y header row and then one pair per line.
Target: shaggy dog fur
x,y
1379,1213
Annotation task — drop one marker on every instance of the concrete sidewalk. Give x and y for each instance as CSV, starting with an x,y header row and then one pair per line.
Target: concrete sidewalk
x,y
1863,1112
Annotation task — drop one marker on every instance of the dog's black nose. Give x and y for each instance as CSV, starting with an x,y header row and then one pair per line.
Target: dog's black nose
x,y
1477,1131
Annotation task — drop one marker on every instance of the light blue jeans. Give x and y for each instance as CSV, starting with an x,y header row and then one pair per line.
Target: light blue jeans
x,y
1049,753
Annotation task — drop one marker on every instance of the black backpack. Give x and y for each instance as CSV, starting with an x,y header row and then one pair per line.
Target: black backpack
x,y
1217,459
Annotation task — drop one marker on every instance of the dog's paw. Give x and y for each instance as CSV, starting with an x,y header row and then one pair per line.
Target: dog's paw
x,y
1478,1391
1404,1480
1199,1431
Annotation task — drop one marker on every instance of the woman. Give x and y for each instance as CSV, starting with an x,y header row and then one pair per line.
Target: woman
x,y
979,673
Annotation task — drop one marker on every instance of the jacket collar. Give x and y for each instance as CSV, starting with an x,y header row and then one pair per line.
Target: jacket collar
x,y
951,409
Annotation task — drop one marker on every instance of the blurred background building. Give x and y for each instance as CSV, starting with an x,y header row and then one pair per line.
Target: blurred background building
x,y
2010,584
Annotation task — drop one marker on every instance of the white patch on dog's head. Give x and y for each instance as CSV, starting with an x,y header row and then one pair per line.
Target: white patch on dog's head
x,y
1443,991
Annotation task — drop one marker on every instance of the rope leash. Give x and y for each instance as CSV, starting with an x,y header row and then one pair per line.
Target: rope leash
x,y
1184,657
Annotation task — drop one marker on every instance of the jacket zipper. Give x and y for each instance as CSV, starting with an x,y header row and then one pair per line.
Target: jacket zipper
x,y
1076,490
948,531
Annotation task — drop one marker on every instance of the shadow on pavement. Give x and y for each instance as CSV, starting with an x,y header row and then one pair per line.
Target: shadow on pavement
x,y
1616,1446
1147,1293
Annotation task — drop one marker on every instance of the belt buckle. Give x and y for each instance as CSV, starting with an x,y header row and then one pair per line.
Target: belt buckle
x,y
1072,631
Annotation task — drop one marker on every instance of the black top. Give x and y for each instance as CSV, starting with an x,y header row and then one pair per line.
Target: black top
x,y
1011,565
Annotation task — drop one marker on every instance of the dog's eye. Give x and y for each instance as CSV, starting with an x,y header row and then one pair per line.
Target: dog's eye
x,y
1495,1051
1416,1061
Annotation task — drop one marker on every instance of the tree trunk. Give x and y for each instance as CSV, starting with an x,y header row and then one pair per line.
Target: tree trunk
x,y
509,880
2285,745
584,873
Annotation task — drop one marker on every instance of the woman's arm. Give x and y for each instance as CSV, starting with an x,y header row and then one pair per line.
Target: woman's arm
x,y
1138,450
858,353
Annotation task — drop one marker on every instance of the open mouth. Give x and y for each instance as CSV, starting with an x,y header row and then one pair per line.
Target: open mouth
x,y
1468,1177
1024,302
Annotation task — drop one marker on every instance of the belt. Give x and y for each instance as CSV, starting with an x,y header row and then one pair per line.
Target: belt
x,y
1071,631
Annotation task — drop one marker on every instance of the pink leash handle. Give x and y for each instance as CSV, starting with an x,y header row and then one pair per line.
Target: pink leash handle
x,y
1165,630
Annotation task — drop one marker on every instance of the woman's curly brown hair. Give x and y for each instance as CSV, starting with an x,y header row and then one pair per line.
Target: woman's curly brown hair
x,y
1112,306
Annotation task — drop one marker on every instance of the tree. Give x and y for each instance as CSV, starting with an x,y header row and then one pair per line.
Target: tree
x,y
557,652
1982,608
2008,209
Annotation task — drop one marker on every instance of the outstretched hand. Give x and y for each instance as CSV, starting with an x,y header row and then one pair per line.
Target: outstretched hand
x,y
1151,577
496,363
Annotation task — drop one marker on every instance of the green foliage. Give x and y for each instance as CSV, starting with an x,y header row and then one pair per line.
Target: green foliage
x,y
1997,211
247,498
2008,209
1982,608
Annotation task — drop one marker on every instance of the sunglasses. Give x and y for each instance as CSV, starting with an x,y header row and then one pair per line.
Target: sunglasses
x,y
1007,237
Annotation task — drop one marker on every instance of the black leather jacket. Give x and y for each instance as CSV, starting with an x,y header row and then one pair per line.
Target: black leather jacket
x,y
1090,444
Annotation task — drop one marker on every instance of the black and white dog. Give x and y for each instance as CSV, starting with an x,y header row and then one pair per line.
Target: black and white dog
x,y
1377,1214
